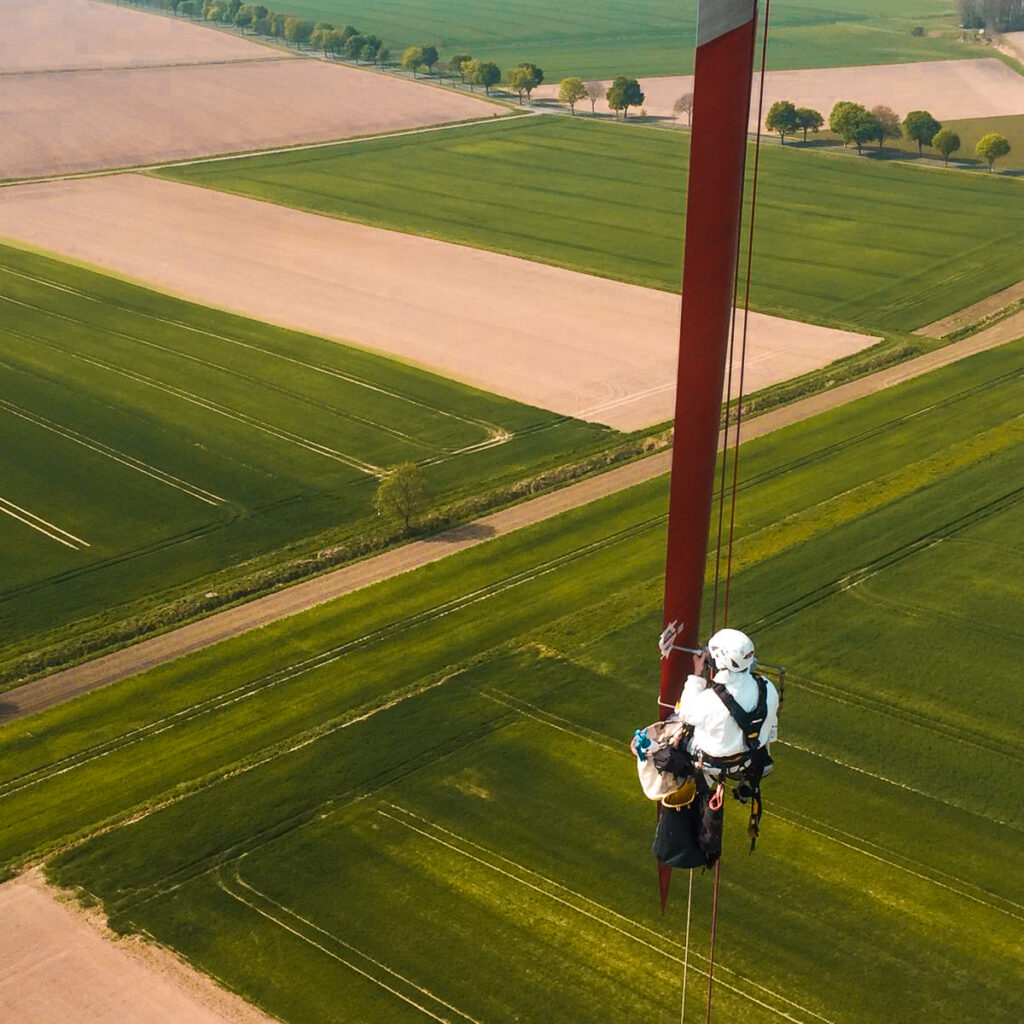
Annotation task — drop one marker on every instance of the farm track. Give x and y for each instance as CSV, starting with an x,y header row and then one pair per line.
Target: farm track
x,y
227,699
55,689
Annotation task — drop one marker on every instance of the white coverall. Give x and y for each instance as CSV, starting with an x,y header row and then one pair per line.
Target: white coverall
x,y
715,733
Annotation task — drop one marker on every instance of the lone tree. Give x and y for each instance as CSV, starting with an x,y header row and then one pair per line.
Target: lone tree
x,y
991,147
455,63
782,119
571,91
623,94
402,494
809,120
684,105
853,123
888,124
595,92
920,126
947,142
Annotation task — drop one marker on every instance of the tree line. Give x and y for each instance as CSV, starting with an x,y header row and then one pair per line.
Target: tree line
x,y
349,42
853,122
993,15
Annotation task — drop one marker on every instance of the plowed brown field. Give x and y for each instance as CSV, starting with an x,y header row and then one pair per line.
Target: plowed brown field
x,y
61,35
592,348
84,120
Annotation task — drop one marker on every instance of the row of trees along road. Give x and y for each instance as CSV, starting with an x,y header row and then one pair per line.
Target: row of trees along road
x,y
622,94
854,123
255,19
992,15
850,121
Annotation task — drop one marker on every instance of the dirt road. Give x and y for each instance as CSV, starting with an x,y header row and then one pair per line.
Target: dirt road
x,y
55,689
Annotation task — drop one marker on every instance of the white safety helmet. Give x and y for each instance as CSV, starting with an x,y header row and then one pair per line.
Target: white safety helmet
x,y
732,651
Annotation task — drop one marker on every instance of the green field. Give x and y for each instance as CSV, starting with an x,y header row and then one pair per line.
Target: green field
x,y
653,37
178,440
416,802
839,241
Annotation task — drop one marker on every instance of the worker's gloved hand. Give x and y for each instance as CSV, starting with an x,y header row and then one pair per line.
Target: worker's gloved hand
x,y
700,662
672,760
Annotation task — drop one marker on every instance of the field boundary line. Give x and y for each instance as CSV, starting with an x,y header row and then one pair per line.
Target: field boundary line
x,y
492,428
192,490
607,924
41,525
342,942
340,959
495,434
105,172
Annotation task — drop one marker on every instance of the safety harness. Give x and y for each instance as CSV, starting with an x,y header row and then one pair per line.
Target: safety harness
x,y
751,765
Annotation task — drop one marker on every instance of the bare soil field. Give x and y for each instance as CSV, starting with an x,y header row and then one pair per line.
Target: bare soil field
x,y
581,345
63,35
59,965
85,120
950,89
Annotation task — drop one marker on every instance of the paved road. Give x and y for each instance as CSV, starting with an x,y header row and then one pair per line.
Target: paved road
x,y
55,689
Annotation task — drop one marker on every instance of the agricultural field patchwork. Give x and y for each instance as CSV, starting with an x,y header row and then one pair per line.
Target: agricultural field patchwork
x,y
440,762
653,38
839,241
178,440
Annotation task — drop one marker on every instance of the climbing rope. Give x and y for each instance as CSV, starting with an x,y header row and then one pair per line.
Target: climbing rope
x,y
735,476
746,313
686,949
